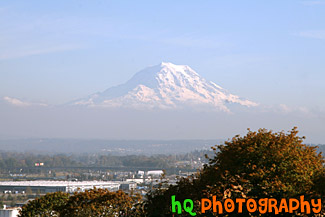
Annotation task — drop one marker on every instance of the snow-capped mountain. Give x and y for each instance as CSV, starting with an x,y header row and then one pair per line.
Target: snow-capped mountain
x,y
165,86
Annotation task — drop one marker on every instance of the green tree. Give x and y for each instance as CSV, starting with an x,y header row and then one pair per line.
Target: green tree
x,y
95,202
100,203
45,206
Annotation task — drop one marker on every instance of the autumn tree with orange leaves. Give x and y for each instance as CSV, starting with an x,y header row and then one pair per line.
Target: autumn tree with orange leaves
x,y
261,164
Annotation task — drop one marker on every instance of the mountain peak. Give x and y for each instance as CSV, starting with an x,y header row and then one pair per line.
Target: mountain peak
x,y
173,66
177,68
165,86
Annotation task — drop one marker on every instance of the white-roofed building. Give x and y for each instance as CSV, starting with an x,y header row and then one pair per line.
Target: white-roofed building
x,y
155,173
9,212
54,186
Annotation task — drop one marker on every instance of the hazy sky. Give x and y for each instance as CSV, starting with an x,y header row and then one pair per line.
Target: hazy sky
x,y
268,51
271,52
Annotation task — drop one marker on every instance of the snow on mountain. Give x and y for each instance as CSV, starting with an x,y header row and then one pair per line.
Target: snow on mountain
x,y
165,86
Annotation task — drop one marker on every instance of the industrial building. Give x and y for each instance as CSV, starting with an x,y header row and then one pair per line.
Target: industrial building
x,y
54,186
9,212
128,186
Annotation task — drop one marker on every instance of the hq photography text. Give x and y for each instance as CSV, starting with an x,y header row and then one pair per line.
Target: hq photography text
x,y
263,205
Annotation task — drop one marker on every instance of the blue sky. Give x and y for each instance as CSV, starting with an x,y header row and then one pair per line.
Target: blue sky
x,y
271,52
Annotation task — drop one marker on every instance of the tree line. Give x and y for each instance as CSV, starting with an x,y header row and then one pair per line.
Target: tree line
x,y
23,160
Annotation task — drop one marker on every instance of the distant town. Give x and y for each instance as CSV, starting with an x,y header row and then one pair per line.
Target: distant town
x,y
26,176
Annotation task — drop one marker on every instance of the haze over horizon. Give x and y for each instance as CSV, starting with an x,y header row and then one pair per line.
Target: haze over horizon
x,y
266,71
